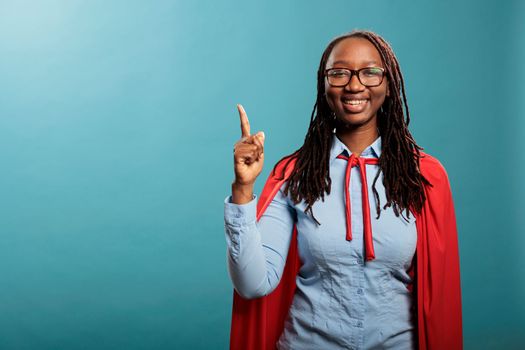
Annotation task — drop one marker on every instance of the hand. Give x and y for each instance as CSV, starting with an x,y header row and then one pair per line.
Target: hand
x,y
248,159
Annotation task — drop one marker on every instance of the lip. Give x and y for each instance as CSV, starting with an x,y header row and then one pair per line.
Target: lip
x,y
355,108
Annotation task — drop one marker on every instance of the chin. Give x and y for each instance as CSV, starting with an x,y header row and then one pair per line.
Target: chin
x,y
354,120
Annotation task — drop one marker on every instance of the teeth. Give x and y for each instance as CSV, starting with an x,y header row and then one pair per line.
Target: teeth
x,y
354,102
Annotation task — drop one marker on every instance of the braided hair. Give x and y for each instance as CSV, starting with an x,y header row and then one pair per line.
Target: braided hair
x,y
399,160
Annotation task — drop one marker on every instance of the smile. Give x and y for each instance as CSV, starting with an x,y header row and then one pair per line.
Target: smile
x,y
353,102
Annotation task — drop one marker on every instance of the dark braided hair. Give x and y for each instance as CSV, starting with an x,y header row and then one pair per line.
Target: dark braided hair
x,y
399,160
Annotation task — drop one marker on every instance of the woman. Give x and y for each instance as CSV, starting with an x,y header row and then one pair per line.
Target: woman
x,y
315,268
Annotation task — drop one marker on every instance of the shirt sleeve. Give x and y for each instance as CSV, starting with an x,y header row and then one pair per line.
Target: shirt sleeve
x,y
257,251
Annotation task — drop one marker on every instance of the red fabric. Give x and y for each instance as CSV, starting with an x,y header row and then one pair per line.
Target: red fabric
x,y
257,324
367,225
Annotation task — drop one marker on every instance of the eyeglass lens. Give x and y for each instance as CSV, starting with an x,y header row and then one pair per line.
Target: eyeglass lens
x,y
367,76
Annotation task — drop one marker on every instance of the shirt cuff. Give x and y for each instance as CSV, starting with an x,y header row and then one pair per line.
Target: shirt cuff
x,y
240,214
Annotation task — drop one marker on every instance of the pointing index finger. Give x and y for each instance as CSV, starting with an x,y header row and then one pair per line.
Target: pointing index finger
x,y
245,124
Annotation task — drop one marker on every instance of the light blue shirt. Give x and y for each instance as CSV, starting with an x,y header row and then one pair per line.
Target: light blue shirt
x,y
341,300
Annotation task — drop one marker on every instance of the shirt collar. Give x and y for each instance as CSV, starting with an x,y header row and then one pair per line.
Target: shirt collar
x,y
338,147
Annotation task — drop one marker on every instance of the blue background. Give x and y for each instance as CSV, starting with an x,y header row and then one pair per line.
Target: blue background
x,y
117,121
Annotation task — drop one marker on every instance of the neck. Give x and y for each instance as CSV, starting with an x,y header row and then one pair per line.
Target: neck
x,y
358,138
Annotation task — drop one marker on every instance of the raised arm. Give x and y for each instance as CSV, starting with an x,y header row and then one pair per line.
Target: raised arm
x,y
256,251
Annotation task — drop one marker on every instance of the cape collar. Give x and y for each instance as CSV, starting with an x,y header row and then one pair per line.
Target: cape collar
x,y
338,147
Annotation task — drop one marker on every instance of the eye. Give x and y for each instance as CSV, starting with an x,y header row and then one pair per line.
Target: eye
x,y
338,73
372,72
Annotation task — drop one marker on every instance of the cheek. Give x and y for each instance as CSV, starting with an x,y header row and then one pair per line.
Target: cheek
x,y
331,98
326,86
381,100
379,97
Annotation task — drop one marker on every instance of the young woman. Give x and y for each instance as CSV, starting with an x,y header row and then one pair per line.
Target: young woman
x,y
352,243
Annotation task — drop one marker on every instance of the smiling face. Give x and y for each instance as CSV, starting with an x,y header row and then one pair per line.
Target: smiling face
x,y
355,105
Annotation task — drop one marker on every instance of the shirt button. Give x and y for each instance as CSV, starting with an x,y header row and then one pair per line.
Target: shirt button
x,y
359,291
359,324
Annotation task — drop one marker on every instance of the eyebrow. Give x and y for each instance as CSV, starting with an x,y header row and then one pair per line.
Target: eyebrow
x,y
346,62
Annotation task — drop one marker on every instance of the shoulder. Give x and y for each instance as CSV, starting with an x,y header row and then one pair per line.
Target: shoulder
x,y
284,167
432,169
279,174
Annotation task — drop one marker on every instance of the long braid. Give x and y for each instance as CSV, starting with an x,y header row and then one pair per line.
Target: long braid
x,y
404,184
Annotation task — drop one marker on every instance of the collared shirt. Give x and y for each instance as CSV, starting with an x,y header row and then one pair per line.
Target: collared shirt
x,y
341,300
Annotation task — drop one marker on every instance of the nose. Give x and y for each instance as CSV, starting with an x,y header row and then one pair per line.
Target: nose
x,y
354,85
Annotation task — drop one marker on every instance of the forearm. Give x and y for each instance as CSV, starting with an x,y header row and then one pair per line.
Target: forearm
x,y
248,269
255,262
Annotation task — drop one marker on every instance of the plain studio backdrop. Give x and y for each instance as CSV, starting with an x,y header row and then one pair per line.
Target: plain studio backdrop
x,y
117,122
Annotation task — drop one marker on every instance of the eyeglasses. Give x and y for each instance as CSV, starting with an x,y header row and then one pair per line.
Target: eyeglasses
x,y
369,76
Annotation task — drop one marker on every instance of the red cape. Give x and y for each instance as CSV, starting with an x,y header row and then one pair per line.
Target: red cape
x,y
257,324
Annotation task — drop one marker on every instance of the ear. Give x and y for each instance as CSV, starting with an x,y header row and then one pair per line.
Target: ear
x,y
387,91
